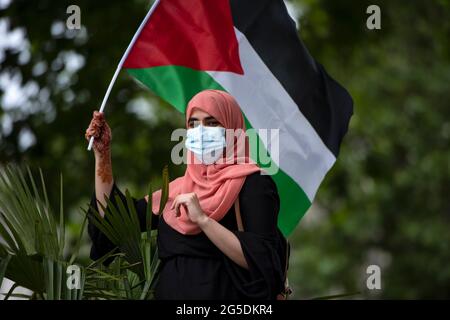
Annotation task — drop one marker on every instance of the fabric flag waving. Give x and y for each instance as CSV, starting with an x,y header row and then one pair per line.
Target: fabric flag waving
x,y
250,49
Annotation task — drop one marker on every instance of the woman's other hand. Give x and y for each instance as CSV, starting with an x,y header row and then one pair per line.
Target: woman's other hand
x,y
190,202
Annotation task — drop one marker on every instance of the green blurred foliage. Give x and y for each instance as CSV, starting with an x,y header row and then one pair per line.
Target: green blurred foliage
x,y
140,139
384,202
60,110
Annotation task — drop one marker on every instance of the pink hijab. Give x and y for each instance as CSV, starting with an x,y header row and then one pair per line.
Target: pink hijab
x,y
217,185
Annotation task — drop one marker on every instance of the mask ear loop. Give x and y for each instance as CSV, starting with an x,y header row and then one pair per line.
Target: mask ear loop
x,y
201,139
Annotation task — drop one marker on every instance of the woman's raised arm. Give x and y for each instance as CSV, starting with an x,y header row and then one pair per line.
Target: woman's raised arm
x,y
101,131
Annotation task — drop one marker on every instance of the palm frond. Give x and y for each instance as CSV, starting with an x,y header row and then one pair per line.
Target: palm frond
x,y
57,281
3,265
27,221
32,246
122,229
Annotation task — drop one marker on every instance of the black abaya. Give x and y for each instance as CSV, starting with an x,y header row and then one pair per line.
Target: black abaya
x,y
192,267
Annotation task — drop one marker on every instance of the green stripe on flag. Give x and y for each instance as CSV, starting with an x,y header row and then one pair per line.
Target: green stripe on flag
x,y
293,201
177,85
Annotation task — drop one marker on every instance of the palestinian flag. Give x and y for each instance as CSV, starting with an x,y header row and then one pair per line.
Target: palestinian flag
x,y
250,49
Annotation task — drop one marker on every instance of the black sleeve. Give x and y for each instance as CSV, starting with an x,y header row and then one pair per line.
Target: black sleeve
x,y
260,240
101,245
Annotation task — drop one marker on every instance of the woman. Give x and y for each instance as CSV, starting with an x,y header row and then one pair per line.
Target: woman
x,y
203,254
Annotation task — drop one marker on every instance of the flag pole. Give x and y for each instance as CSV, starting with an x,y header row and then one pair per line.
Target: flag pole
x,y
122,60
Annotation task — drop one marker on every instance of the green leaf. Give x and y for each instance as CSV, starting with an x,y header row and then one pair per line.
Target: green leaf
x,y
11,290
3,265
164,190
61,217
337,296
78,243
149,212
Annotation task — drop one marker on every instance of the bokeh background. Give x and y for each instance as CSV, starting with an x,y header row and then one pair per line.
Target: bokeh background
x,y
385,201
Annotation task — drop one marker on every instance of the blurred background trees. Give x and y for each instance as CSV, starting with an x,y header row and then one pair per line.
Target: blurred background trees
x,y
385,200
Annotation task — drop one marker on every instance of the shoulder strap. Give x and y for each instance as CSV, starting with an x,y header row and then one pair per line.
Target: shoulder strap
x,y
287,290
237,210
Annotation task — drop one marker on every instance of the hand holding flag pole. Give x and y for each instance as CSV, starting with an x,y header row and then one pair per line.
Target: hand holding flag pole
x,y
122,60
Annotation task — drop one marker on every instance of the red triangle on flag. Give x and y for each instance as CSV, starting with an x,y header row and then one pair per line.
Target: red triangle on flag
x,y
197,34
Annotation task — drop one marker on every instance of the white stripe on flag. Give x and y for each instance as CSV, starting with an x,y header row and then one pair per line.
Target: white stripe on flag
x,y
267,105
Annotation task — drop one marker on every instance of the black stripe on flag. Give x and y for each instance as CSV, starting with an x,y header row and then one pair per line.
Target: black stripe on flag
x,y
273,35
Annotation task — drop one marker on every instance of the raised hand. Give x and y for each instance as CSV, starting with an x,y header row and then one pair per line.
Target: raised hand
x,y
100,130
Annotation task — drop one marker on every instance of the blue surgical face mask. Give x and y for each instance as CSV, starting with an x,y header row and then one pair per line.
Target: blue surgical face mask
x,y
207,143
